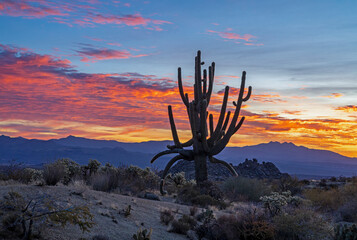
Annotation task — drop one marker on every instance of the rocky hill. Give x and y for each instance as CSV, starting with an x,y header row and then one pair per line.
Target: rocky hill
x,y
217,172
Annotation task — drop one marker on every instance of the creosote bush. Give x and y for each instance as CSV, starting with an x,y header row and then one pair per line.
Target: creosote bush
x,y
21,216
250,225
206,196
183,224
302,224
166,216
244,189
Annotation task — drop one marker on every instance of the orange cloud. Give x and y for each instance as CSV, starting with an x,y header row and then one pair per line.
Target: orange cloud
x,y
334,95
347,108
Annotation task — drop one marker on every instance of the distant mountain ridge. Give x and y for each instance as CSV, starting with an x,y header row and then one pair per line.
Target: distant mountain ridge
x,y
286,156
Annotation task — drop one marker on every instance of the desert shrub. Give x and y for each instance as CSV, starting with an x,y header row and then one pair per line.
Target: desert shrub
x,y
174,182
53,173
105,182
100,237
302,224
349,191
348,211
324,199
20,215
63,169
287,183
244,189
206,216
71,169
93,166
142,234
135,180
193,211
29,175
166,216
275,202
249,225
191,195
183,224
346,232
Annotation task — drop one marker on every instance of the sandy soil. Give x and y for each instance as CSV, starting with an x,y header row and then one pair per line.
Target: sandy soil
x,y
106,208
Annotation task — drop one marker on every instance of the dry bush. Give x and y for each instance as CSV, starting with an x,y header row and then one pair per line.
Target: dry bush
x,y
348,211
302,224
287,183
324,199
166,216
53,173
135,180
333,198
183,224
245,189
246,226
22,217
191,195
105,182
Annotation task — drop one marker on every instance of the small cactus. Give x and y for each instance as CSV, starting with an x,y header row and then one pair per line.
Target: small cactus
x,y
143,234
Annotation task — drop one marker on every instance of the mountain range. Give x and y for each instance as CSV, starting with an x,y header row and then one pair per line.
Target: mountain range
x,y
288,157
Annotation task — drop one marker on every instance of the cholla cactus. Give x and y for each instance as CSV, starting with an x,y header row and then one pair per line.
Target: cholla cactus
x,y
207,140
275,202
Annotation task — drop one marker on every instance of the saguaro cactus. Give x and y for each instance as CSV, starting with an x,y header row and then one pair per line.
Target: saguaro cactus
x,y
207,140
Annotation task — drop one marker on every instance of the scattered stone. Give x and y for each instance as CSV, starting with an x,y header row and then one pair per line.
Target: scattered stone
x,y
191,235
150,196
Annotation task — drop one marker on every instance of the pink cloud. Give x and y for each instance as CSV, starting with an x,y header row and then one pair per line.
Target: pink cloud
x,y
93,54
71,13
25,9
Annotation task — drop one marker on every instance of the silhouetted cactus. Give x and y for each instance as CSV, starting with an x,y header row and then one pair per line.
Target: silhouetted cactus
x,y
205,145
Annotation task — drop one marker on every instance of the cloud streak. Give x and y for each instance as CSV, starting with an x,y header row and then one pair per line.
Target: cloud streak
x,y
90,53
228,35
70,13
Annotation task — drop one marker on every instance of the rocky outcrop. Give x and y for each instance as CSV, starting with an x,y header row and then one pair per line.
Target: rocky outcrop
x,y
217,172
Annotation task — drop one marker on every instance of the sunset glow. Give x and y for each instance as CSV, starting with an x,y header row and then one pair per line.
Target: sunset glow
x,y
107,69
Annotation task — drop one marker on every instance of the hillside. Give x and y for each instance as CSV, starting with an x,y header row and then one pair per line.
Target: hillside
x,y
287,157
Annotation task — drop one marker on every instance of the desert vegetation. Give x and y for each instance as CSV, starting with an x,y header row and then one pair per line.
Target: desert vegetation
x,y
237,208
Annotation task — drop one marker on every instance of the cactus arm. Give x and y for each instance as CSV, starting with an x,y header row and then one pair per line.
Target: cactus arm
x,y
185,144
204,83
183,96
226,121
227,165
198,79
183,152
211,124
210,81
248,94
173,128
221,144
167,168
221,116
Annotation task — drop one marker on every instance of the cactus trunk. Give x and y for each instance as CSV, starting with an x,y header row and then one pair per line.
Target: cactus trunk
x,y
201,168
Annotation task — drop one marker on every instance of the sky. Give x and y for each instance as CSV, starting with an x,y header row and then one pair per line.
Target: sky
x,y
108,69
